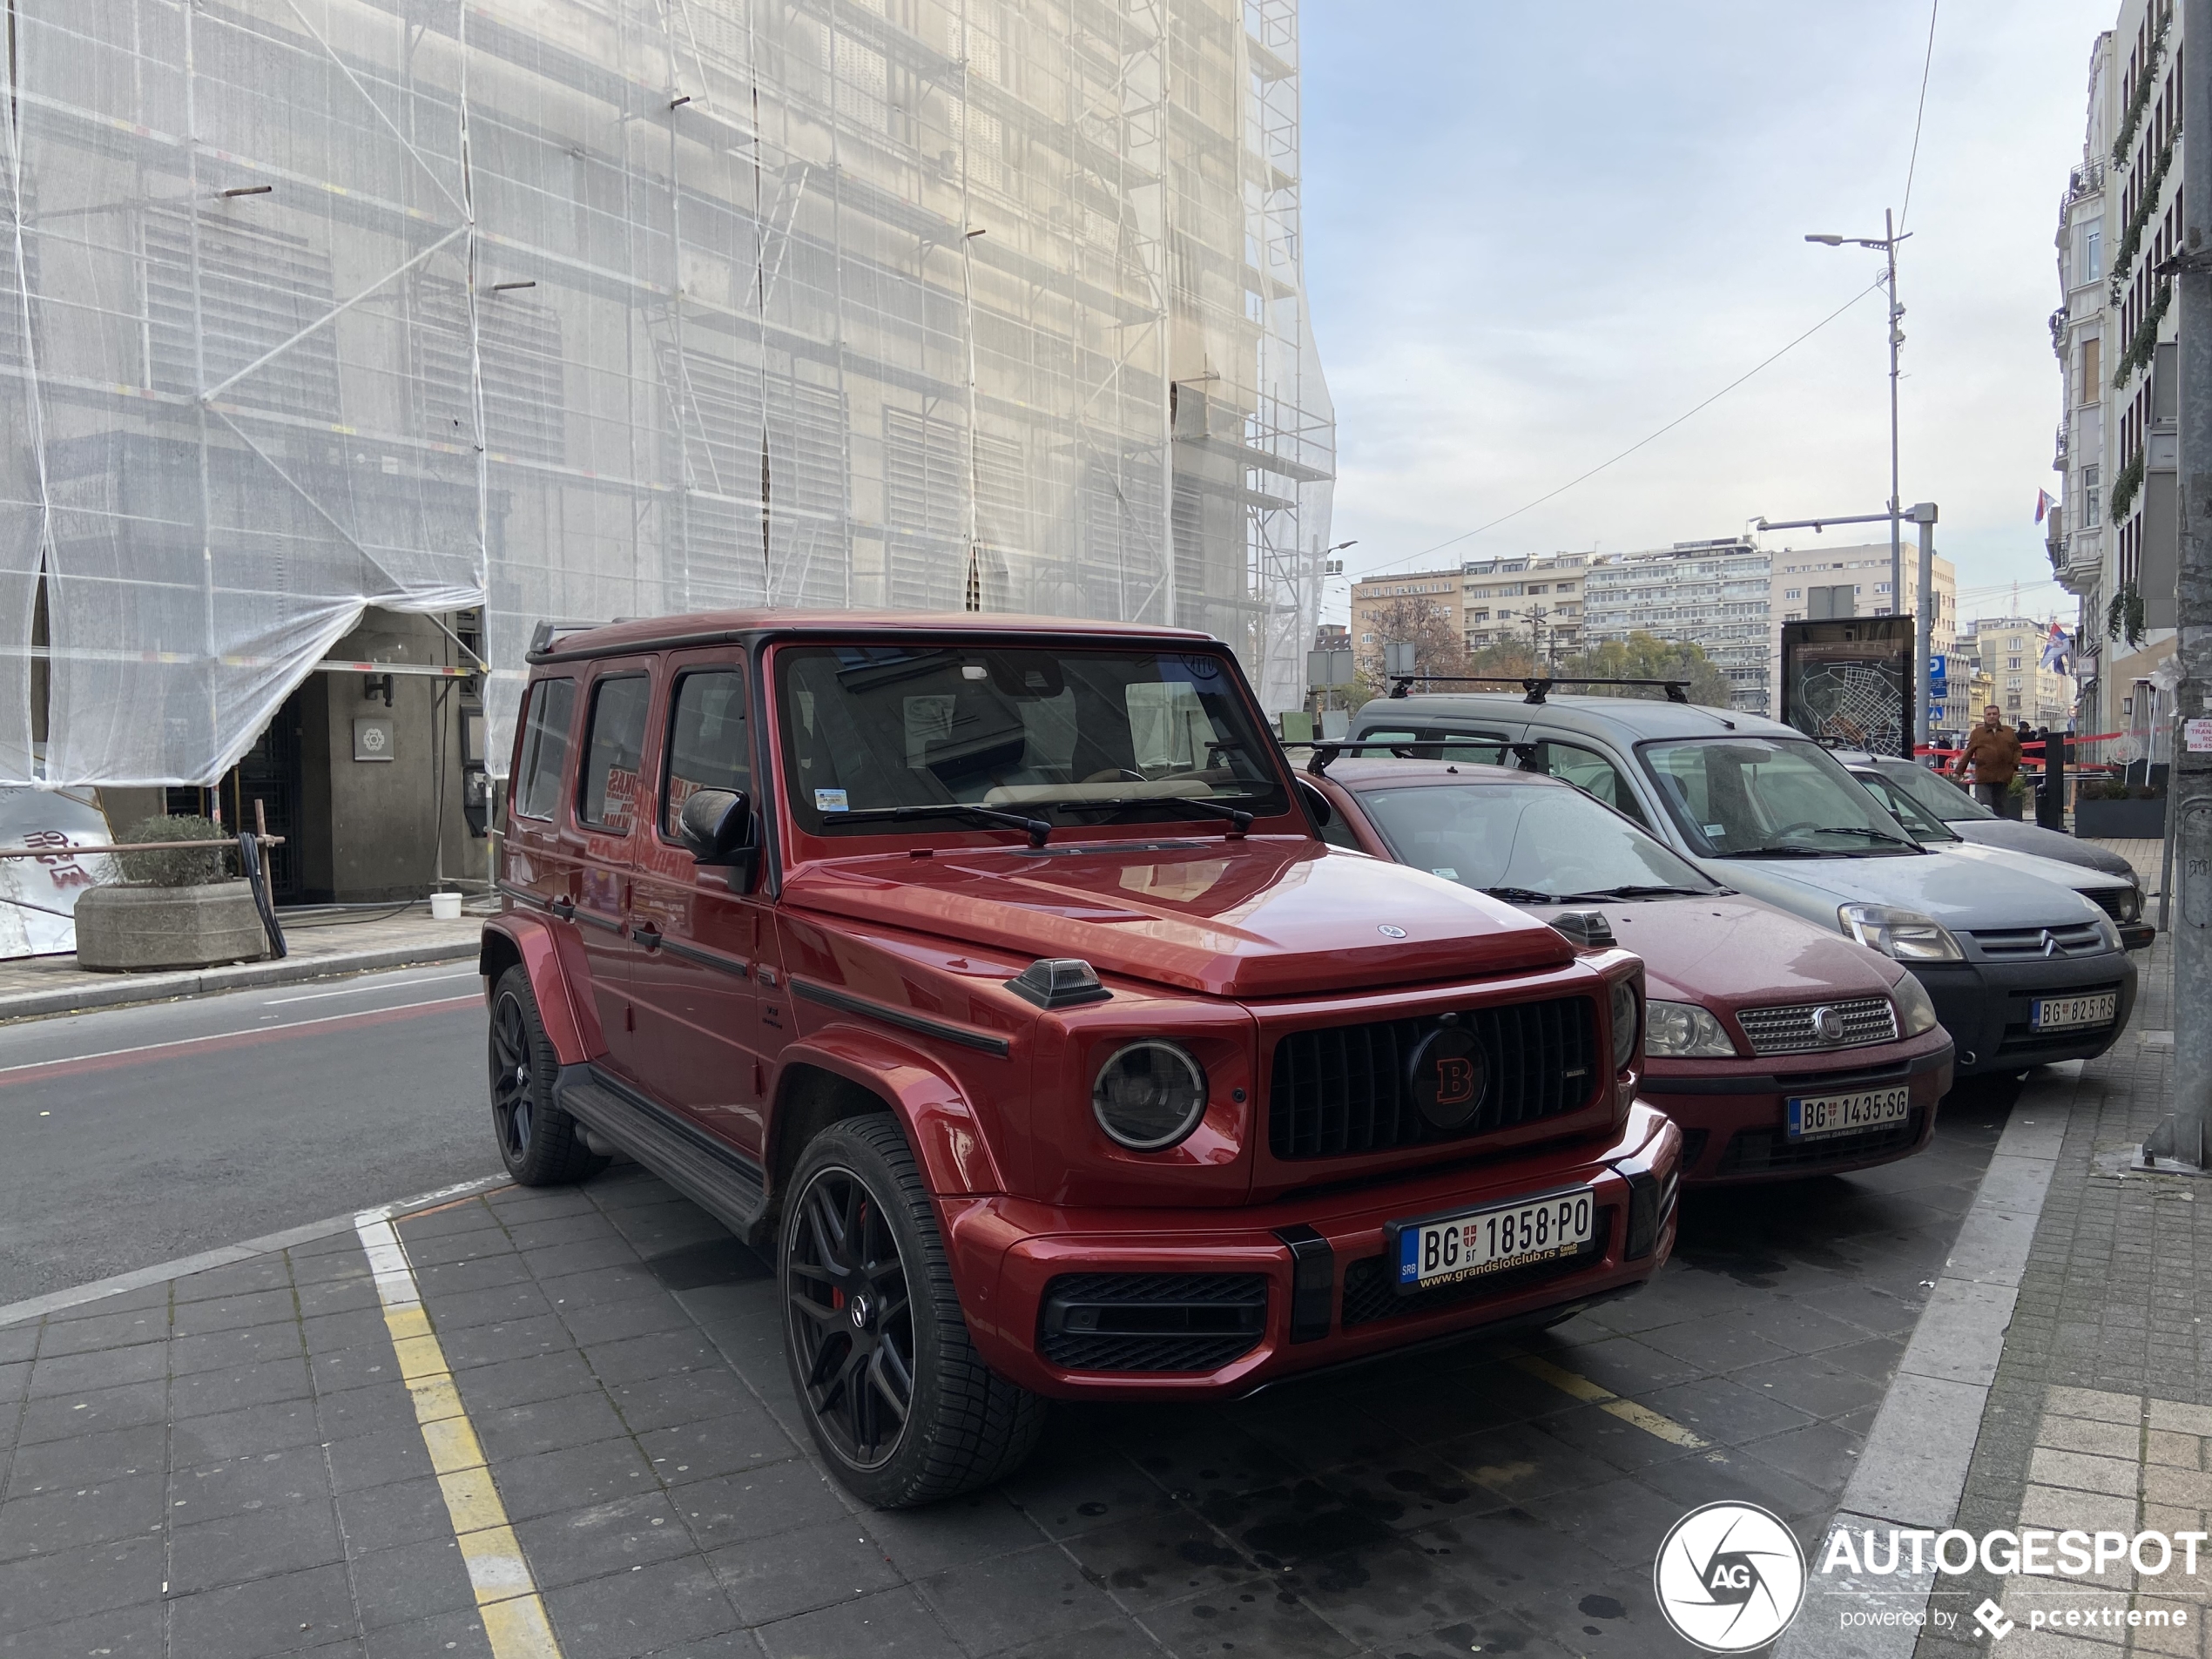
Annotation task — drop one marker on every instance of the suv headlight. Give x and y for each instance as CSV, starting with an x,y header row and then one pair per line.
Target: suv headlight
x,y
1149,1095
1903,936
2131,903
1915,1012
1628,997
1683,1031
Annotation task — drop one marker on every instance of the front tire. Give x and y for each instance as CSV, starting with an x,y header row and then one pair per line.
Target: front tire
x,y
900,1404
541,1145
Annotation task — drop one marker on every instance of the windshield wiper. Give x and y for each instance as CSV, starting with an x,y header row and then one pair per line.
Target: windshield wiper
x,y
1784,851
1870,834
1036,828
1521,895
1642,890
1239,819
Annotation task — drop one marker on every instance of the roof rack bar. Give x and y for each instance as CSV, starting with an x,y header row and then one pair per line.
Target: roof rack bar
x,y
547,632
1537,686
1325,749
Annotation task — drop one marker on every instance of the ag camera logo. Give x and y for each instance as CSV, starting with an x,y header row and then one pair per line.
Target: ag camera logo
x,y
1730,1577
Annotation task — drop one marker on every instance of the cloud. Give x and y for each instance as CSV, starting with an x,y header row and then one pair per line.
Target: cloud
x,y
1534,234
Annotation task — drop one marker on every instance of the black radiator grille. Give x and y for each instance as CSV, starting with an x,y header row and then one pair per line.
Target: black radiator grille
x,y
1344,1090
1755,1151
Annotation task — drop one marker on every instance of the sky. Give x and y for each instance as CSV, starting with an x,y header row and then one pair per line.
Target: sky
x,y
1534,235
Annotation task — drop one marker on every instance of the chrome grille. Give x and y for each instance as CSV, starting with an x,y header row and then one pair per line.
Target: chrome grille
x,y
2021,944
1795,1029
1343,1090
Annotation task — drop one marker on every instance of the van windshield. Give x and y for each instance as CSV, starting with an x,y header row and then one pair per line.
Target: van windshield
x,y
1756,797
1073,737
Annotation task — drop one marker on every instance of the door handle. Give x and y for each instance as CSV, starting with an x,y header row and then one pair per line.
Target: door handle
x,y
648,936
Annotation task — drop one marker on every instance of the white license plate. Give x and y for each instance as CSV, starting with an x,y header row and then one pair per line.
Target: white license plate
x,y
2057,1012
1814,1115
1453,1248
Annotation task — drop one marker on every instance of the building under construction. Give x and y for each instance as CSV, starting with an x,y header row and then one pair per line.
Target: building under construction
x,y
360,335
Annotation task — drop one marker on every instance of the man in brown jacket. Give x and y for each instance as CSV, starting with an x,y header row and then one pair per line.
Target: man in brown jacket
x,y
1993,750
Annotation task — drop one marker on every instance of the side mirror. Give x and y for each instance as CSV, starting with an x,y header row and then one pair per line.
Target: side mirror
x,y
717,827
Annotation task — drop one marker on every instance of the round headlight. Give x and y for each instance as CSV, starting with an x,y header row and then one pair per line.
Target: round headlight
x,y
1626,1017
1149,1095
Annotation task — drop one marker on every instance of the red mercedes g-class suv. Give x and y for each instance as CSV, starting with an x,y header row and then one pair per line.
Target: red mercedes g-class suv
x,y
992,973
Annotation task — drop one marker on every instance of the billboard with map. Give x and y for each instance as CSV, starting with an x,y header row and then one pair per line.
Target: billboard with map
x,y
1845,681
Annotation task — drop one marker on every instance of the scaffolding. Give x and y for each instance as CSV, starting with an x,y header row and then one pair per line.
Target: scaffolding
x,y
579,309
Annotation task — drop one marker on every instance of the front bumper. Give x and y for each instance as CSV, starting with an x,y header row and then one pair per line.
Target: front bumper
x,y
1984,1006
1307,1274
2137,935
1734,1113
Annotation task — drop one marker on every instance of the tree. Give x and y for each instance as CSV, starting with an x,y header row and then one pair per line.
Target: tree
x,y
1643,655
1432,630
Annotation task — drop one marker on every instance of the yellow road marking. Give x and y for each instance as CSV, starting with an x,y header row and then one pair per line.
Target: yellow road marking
x,y
515,1620
1606,1400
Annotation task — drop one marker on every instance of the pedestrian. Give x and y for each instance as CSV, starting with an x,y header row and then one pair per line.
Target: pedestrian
x,y
1993,750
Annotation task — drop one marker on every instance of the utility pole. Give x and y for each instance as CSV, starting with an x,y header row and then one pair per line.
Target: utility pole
x,y
1897,500
1924,515
2186,1136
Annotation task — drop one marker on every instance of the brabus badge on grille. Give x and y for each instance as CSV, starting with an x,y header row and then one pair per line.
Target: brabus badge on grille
x,y
1829,1023
1390,930
1448,1075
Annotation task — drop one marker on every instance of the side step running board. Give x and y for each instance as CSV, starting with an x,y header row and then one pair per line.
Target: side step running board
x,y
718,1178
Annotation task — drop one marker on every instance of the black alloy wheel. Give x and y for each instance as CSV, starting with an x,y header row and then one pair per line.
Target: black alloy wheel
x,y
540,1144
851,1320
900,1404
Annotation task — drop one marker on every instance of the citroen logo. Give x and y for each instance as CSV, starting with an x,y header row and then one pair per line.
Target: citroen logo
x,y
1827,1024
2050,943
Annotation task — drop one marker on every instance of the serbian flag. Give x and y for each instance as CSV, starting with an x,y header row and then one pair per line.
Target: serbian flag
x,y
2057,650
2043,504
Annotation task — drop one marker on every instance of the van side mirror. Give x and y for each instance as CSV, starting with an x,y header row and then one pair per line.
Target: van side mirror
x,y
717,827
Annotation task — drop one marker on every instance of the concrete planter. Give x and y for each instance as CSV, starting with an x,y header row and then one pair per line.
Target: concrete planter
x,y
120,929
2115,820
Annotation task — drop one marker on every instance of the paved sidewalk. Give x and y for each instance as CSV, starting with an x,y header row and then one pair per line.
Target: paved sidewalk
x,y
318,947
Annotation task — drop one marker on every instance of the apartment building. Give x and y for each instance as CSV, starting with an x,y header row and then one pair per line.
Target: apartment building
x,y
2114,539
1714,594
1536,601
2009,653
1815,582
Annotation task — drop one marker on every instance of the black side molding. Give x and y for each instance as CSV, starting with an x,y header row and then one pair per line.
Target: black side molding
x,y
718,1178
905,1019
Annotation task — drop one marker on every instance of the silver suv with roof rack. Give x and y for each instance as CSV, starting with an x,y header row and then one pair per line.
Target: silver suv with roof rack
x,y
2023,971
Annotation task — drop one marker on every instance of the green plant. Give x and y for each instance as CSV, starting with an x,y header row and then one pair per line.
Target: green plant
x,y
2146,204
2144,344
2124,618
2139,94
183,867
2125,484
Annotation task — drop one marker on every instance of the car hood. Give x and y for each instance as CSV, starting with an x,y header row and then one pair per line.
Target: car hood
x,y
1257,917
2044,843
2080,877
1965,894
1731,953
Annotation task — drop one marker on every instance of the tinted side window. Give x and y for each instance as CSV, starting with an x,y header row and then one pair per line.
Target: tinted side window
x,y
546,724
706,741
1590,771
607,796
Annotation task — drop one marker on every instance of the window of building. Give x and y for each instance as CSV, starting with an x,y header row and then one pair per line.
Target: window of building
x,y
2091,369
706,741
546,722
1367,639
2092,499
1881,587
2093,252
1793,593
607,791
2012,661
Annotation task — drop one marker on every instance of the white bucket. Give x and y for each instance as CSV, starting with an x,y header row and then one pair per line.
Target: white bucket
x,y
445,906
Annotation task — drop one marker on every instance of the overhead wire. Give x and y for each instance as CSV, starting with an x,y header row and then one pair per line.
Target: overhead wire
x,y
1707,403
1913,164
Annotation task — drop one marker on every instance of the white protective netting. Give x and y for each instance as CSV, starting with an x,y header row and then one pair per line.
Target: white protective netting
x,y
580,308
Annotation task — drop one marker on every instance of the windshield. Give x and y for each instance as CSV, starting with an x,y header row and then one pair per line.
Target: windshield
x,y
1542,838
1923,825
1752,796
1946,802
1074,738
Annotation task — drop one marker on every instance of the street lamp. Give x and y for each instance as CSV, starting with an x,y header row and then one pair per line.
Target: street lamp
x,y
1887,244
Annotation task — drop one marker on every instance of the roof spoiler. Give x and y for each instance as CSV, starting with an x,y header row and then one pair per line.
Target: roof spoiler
x,y
1538,687
546,633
